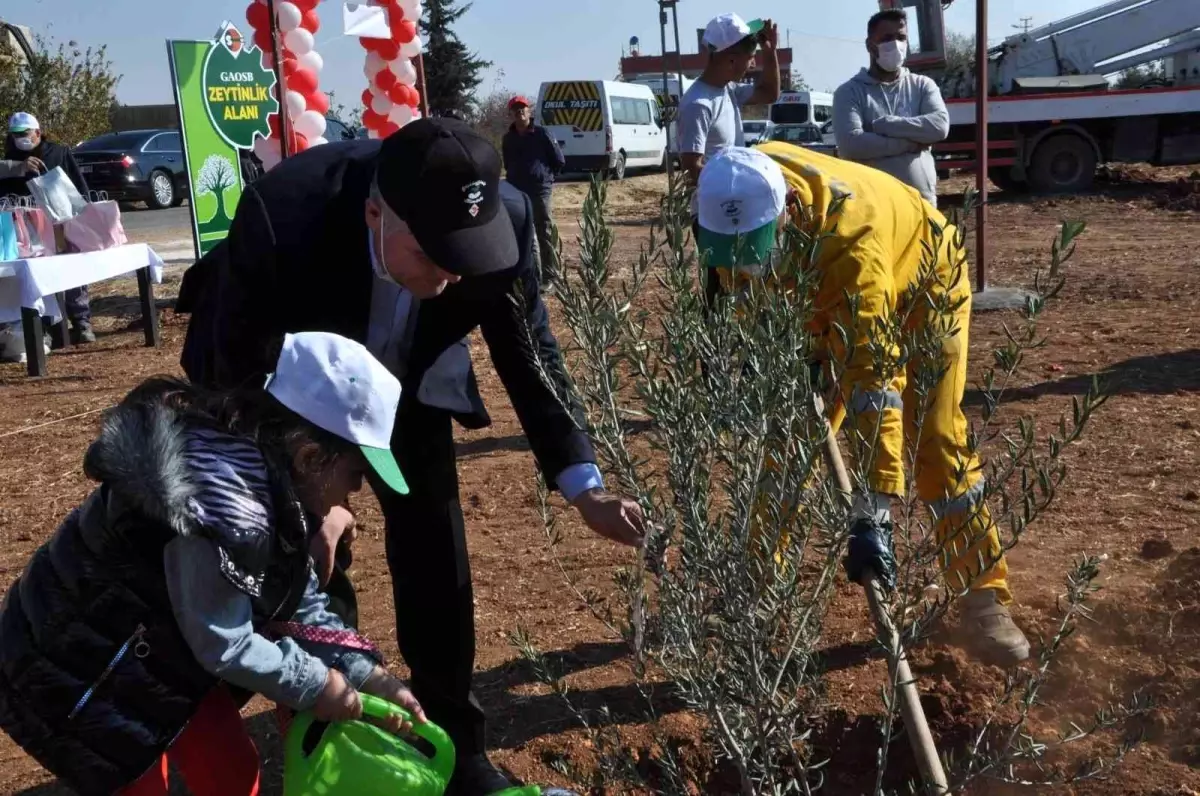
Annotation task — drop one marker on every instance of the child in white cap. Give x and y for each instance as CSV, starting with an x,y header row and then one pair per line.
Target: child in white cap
x,y
183,584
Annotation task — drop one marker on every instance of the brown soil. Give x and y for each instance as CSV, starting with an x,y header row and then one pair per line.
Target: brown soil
x,y
1128,314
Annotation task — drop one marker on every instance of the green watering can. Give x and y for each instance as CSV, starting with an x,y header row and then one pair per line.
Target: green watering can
x,y
354,758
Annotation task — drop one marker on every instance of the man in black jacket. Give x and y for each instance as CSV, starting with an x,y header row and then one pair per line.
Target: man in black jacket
x,y
26,144
406,245
531,159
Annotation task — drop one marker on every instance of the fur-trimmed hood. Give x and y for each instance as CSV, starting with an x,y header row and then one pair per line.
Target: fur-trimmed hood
x,y
139,455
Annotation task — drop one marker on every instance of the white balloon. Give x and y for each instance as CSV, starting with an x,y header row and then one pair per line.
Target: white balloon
x,y
310,124
401,114
404,70
411,49
317,141
312,60
271,160
411,9
381,104
372,133
299,41
375,64
296,104
289,16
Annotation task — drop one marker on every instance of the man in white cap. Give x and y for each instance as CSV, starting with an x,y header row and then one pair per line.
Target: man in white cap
x,y
881,230
28,154
710,113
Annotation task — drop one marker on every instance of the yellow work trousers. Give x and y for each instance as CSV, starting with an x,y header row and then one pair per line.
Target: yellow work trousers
x,y
949,478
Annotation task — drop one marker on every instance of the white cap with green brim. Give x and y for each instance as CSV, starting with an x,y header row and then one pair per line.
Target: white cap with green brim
x,y
22,123
726,30
336,384
740,196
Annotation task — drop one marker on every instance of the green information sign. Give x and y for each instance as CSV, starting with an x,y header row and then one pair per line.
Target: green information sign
x,y
224,98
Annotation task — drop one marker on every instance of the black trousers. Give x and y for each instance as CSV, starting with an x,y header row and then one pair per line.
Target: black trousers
x,y
431,576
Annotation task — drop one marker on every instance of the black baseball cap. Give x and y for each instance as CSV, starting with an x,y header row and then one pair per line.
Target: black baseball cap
x,y
443,179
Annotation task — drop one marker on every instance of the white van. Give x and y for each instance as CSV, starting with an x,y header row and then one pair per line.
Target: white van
x,y
604,125
803,107
676,88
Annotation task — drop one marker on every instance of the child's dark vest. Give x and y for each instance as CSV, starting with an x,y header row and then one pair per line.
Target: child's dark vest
x,y
96,680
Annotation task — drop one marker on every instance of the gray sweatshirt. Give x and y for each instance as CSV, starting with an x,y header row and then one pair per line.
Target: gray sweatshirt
x,y
891,126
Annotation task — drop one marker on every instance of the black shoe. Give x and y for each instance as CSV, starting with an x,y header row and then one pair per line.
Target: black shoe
x,y
476,776
82,333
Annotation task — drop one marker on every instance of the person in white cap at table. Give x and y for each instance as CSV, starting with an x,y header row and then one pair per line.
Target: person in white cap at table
x,y
182,585
407,244
28,154
710,112
880,231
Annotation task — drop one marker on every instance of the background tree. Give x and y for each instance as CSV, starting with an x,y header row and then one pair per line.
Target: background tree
x,y
1151,74
216,175
69,90
351,117
960,52
452,72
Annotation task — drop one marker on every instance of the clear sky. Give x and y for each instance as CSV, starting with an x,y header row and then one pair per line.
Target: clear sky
x,y
528,41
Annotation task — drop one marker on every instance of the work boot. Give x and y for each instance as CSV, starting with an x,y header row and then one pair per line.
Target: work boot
x,y
475,775
82,333
988,630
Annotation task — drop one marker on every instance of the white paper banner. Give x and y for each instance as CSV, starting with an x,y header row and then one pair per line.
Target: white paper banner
x,y
366,21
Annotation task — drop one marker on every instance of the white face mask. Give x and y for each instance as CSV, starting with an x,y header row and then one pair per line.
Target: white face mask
x,y
25,144
891,55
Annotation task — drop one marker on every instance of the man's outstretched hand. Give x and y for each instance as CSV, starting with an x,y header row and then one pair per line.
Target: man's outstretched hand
x,y
612,516
337,523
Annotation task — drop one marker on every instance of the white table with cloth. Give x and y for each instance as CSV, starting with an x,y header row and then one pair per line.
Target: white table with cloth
x,y
31,289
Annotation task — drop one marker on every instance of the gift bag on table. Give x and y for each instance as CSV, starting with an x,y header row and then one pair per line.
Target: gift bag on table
x,y
57,195
9,250
41,232
97,227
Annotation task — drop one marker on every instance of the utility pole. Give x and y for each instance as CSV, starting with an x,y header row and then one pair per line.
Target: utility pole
x,y
670,109
1026,25
981,143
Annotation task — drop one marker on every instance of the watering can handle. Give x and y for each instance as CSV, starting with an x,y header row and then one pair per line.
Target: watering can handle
x,y
443,747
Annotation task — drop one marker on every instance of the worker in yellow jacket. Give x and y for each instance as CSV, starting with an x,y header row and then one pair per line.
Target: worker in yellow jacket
x,y
878,232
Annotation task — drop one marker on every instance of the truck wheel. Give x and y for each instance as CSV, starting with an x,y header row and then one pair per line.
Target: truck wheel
x,y
1063,163
618,169
1002,177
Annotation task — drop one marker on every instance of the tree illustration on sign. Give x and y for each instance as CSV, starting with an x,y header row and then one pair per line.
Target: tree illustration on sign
x,y
215,176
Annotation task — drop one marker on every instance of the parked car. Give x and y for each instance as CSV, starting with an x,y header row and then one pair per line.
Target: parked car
x,y
805,135
138,165
757,130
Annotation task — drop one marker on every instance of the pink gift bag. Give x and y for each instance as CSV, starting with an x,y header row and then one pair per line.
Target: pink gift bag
x,y
97,227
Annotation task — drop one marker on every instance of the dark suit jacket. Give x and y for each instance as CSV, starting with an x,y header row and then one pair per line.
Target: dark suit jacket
x,y
297,259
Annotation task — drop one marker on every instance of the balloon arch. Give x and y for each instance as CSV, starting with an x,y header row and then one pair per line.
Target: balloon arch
x,y
391,99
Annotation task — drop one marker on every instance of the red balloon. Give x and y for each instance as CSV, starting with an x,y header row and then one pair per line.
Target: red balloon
x,y
404,31
290,65
398,94
305,5
372,120
369,44
302,80
367,96
262,38
385,80
388,50
317,101
257,16
310,21
273,123
388,129
299,143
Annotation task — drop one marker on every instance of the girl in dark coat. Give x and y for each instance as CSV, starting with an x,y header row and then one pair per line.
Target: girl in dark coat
x,y
182,583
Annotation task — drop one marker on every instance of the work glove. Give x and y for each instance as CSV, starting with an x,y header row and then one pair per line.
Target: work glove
x,y
871,549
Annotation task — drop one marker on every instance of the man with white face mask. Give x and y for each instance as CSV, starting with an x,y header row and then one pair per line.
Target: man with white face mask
x,y
886,116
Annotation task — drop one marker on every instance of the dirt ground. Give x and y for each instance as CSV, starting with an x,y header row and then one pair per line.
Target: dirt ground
x,y
1129,312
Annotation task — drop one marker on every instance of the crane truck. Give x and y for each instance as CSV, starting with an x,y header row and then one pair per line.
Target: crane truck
x,y
1053,113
